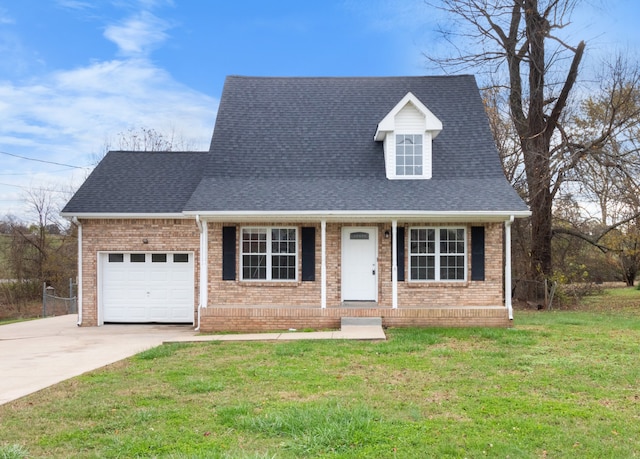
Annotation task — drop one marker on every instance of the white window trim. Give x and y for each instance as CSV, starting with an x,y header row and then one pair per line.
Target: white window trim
x,y
437,254
269,254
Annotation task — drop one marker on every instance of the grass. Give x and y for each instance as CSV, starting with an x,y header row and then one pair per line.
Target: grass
x,y
558,384
13,321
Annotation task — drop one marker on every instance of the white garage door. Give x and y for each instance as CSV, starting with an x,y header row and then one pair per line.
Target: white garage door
x,y
147,287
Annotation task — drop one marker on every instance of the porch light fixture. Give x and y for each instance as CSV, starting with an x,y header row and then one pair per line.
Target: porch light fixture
x,y
387,234
145,241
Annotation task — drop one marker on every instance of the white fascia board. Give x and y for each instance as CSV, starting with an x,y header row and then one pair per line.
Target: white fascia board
x,y
125,216
431,121
354,216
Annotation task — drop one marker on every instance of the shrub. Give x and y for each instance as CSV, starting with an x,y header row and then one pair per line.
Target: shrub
x,y
17,294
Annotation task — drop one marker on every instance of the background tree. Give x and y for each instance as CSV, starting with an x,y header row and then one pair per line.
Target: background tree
x,y
46,249
145,139
519,44
605,183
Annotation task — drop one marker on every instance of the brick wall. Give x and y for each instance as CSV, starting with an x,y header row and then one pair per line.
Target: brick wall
x,y
251,293
122,235
411,294
489,292
182,235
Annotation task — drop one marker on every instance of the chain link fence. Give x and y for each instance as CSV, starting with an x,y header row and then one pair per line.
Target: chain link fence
x,y
54,305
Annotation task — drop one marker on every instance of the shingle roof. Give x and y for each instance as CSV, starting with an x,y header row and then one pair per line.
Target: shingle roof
x,y
219,194
324,127
303,144
140,182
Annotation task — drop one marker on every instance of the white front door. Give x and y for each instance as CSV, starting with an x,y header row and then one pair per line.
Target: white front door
x,y
359,264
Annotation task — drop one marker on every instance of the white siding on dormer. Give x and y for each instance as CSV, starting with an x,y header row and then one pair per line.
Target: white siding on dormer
x,y
409,116
427,158
389,151
409,120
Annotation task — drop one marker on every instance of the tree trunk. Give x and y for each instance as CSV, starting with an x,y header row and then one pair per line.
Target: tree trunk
x,y
629,269
540,201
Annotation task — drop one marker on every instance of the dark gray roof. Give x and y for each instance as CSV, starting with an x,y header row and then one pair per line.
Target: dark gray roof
x,y
218,194
140,182
307,144
324,127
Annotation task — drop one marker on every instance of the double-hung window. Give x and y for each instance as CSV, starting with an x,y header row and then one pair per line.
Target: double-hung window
x,y
409,154
437,254
269,254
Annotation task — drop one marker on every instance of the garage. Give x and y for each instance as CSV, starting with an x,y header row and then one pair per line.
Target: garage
x,y
152,287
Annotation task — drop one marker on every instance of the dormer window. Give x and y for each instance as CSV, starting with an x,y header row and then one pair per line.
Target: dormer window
x,y
409,154
406,132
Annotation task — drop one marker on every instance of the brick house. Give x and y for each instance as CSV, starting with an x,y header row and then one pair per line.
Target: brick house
x,y
318,198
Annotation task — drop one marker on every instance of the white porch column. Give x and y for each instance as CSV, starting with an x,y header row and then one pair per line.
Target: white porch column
x,y
204,266
507,267
394,264
323,268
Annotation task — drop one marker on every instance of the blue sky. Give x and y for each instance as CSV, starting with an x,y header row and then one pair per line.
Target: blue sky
x,y
75,73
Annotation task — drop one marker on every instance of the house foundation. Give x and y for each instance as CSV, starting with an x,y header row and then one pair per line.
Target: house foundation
x,y
270,318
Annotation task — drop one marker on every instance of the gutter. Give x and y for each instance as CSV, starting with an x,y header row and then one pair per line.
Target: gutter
x,y
355,215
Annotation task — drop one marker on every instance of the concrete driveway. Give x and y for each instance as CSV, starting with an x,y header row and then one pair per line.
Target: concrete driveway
x,y
39,353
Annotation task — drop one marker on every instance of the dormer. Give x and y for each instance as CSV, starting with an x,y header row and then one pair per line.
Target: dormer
x,y
406,132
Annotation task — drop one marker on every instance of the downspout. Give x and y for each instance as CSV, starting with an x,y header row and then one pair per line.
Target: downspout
x,y
507,267
76,222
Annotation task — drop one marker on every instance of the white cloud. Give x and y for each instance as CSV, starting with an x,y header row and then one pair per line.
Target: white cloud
x,y
139,34
68,116
5,18
396,16
81,106
76,4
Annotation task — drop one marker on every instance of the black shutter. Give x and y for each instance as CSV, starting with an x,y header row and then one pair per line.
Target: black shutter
x,y
228,253
400,254
477,253
308,254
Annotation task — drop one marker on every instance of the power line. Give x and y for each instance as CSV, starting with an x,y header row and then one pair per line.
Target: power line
x,y
42,160
31,188
66,169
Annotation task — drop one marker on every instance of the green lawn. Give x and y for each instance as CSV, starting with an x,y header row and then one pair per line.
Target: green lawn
x,y
559,384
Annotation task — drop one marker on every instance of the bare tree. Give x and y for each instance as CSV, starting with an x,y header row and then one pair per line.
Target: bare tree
x,y
145,139
44,250
521,40
607,179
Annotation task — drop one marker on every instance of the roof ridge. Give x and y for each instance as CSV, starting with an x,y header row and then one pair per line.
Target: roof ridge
x,y
348,77
159,152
